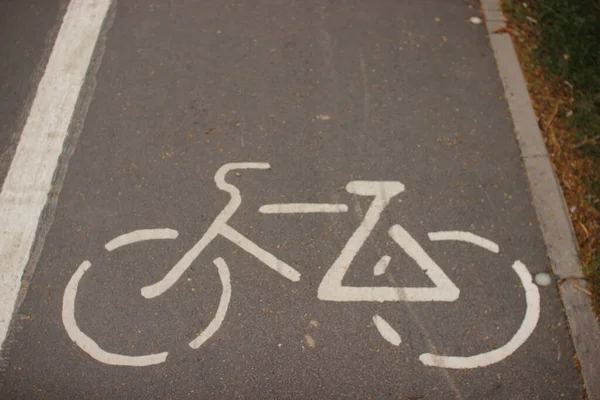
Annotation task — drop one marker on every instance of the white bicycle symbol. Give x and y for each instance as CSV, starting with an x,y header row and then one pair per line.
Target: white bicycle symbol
x,y
331,287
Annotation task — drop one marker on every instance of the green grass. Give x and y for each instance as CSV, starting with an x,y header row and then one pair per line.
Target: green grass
x,y
568,47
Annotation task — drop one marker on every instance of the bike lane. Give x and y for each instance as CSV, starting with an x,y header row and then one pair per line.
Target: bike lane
x,y
326,93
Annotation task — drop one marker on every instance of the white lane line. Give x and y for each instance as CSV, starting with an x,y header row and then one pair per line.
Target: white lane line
x,y
29,179
386,331
381,266
215,324
292,208
85,342
464,237
139,236
532,315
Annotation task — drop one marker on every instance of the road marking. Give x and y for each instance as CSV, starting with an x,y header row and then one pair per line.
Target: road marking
x,y
386,331
532,315
331,288
292,208
220,227
85,342
381,266
29,179
88,345
215,324
184,263
267,258
465,237
139,236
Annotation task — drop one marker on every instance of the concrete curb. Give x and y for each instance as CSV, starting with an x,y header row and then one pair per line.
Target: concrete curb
x,y
548,201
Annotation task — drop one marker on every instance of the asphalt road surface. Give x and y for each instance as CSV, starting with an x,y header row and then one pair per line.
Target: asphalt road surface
x,y
360,240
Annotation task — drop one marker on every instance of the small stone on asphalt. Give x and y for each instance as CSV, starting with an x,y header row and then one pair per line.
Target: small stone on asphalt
x,y
543,279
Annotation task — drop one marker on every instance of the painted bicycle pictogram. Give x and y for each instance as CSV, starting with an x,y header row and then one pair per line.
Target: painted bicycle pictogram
x,y
331,287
